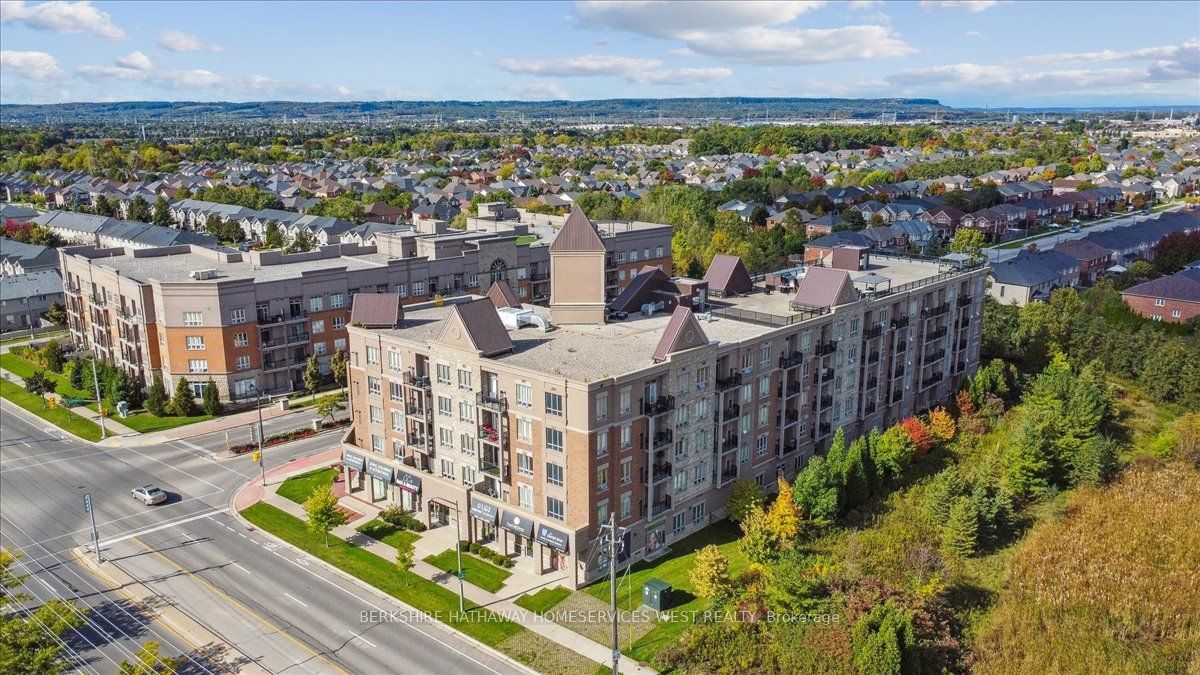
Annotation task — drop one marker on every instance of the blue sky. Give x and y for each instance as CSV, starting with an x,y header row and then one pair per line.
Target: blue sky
x,y
964,53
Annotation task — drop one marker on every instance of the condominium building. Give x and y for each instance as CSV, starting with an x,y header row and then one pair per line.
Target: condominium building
x,y
539,423
249,320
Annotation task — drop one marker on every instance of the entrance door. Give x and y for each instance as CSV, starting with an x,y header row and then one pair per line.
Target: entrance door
x,y
378,490
652,392
558,561
517,548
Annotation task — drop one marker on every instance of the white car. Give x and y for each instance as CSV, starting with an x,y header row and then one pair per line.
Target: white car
x,y
149,495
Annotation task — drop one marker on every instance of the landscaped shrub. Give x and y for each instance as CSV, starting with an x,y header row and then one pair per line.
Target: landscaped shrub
x,y
486,553
398,517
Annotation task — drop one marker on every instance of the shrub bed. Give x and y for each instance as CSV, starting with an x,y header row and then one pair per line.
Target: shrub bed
x,y
487,554
281,438
399,518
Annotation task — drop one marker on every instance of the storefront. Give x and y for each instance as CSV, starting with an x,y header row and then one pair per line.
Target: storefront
x,y
381,479
558,544
483,520
521,530
410,490
354,464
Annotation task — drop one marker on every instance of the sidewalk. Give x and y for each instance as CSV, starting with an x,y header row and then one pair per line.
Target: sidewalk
x,y
113,427
234,421
433,542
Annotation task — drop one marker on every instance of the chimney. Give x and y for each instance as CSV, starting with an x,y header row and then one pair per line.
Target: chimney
x,y
577,272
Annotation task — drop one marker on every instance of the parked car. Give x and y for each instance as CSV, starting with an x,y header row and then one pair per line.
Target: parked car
x,y
149,495
1074,229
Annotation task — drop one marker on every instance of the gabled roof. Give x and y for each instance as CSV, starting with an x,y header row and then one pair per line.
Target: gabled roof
x,y
726,274
376,310
501,295
682,332
476,324
638,292
825,287
578,234
1183,285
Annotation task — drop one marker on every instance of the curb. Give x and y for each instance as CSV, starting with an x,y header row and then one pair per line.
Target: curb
x,y
492,651
223,457
183,626
43,423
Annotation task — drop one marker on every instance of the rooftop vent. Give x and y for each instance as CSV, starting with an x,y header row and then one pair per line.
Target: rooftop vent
x,y
200,275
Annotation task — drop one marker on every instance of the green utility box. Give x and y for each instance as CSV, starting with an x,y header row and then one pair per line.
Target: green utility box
x,y
656,595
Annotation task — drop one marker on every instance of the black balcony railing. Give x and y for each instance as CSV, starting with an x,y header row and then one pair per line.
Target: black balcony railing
x,y
898,372
964,301
897,395
787,447
496,402
935,356
826,375
900,323
661,506
964,322
732,411
418,381
873,358
663,437
824,428
728,473
871,333
826,348
489,433
936,310
658,406
732,380
729,444
791,360
661,471
871,383
539,276
940,332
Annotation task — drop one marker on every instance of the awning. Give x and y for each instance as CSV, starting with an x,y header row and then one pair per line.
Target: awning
x,y
379,470
353,461
484,511
407,481
516,524
553,538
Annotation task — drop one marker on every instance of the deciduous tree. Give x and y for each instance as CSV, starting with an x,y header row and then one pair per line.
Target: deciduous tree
x,y
745,499
323,513
710,573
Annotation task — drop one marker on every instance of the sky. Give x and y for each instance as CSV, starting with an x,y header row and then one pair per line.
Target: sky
x,y
964,53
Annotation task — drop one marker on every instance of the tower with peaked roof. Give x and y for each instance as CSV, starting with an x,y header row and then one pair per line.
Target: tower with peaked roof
x,y
577,272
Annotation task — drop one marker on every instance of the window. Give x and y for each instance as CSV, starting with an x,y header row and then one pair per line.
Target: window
x,y
394,359
464,379
554,440
553,404
466,412
194,342
318,326
699,473
524,395
760,447
633,256
602,406
397,421
445,437
555,508
447,468
602,511
602,478
554,474
402,290
197,388
445,406
626,397
763,411
443,373
472,280
339,343
627,437
237,316
525,496
243,362
376,414
764,355
240,340
626,504
320,350
336,300
524,430
419,288
372,355
681,482
525,463
602,444
373,385
316,304
193,319
1175,313
376,444
678,522
658,251
394,391
626,470
698,513
468,475
339,322
1160,302
197,365
764,386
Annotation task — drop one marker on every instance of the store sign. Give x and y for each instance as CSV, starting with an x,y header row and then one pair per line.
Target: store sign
x,y
408,482
379,470
553,538
353,461
516,524
484,511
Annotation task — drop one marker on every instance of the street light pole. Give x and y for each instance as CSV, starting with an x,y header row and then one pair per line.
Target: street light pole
x,y
458,548
99,403
262,469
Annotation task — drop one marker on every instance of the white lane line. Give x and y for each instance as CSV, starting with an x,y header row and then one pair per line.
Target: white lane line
x,y
34,466
240,567
174,468
359,637
43,582
26,445
296,599
160,526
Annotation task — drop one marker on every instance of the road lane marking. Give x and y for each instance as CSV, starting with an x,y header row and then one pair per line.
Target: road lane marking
x,y
233,601
160,526
240,567
296,599
359,637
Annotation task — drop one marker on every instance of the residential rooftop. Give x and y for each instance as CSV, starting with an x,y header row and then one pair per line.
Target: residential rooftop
x,y
176,263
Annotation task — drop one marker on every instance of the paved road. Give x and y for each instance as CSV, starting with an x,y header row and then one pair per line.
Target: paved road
x,y
1051,238
276,606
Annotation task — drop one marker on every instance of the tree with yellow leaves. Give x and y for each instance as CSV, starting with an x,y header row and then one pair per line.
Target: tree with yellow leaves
x,y
783,518
941,425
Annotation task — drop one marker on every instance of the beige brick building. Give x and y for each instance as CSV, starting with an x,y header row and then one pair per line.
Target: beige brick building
x,y
539,429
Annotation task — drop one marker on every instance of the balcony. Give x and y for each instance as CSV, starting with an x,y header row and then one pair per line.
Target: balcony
x,y
931,380
539,276
490,468
901,346
872,383
897,395
664,437
935,356
489,434
936,334
662,472
663,404
269,319
728,474
899,371
297,338
964,301
276,364
788,447
418,462
729,444
418,381
413,410
790,416
733,380
826,375
964,322
417,441
826,401
936,310
900,323
823,429
494,402
791,360
731,411
294,317
660,506
872,333
873,358
826,348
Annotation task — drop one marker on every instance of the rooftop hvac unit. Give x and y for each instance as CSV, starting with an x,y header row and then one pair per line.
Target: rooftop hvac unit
x,y
199,275
651,307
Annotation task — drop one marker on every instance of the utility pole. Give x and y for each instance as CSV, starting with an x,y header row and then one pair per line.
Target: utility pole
x,y
458,548
87,506
262,470
614,543
99,403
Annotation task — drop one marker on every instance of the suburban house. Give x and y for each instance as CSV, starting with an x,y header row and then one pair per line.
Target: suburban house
x,y
1174,298
1031,276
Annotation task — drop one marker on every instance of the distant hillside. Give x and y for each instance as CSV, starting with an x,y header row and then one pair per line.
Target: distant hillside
x,y
605,110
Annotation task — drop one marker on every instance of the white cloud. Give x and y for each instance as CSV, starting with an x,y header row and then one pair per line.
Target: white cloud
x,y
745,31
30,65
178,41
63,18
477,54
969,5
973,34
590,65
680,76
136,60
200,79
538,91
1188,51
859,5
683,51
603,42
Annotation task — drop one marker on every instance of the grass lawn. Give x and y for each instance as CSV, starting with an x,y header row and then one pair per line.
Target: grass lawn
x,y
298,488
146,423
24,337
388,534
544,599
60,417
23,369
526,239
479,571
673,569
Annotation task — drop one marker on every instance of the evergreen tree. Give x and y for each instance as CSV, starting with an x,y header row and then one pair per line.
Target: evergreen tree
x,y
960,533
38,384
53,356
816,492
1094,463
156,399
182,404
943,491
162,212
139,210
883,642
272,236
78,380
857,483
303,241
211,400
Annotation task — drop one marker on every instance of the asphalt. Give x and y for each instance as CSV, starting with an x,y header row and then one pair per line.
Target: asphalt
x,y
275,606
1048,240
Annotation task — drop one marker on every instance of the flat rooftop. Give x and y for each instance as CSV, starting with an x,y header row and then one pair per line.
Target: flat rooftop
x,y
177,268
581,353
